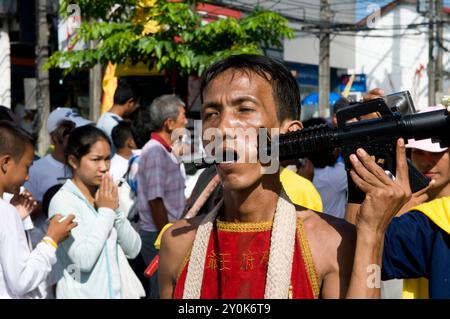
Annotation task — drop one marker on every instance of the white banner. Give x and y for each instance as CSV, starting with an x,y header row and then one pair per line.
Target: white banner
x,y
5,70
29,85
67,31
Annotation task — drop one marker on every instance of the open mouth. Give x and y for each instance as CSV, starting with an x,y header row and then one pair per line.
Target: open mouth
x,y
223,158
227,156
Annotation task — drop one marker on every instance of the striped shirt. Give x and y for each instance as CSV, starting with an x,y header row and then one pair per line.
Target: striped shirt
x,y
159,176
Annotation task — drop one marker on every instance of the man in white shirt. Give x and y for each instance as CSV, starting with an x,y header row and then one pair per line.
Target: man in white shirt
x,y
126,101
124,143
51,169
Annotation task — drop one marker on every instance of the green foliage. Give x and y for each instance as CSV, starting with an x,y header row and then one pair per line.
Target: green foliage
x,y
181,44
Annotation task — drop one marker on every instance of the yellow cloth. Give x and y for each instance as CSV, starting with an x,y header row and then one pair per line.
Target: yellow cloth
x,y
109,85
138,69
415,288
300,190
158,240
438,211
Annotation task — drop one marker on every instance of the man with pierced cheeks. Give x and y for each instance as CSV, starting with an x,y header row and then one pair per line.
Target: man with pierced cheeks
x,y
256,243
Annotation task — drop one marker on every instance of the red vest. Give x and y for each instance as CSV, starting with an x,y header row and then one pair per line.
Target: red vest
x,y
237,259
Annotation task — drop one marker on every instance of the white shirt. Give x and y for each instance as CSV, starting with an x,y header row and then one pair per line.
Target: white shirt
x,y
107,122
119,166
191,181
45,173
34,234
21,271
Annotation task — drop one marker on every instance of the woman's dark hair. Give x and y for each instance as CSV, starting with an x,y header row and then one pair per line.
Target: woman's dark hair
x,y
285,89
48,197
81,140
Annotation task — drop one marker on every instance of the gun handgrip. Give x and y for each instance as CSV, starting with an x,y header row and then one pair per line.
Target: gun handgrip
x,y
417,181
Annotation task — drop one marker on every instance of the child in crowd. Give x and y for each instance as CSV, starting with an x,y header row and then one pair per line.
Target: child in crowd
x,y
22,271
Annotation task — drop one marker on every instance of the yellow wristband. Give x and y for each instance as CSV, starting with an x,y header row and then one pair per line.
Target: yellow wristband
x,y
50,241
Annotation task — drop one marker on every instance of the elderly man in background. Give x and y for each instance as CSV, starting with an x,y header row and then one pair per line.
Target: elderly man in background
x,y
160,180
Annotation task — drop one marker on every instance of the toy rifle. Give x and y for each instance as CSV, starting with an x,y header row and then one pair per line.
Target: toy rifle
x,y
377,136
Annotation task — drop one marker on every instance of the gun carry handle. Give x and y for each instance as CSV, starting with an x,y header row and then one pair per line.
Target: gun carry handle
x,y
355,110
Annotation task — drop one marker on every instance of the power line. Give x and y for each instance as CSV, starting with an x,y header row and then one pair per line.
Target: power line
x,y
439,41
299,4
315,26
355,28
274,4
370,54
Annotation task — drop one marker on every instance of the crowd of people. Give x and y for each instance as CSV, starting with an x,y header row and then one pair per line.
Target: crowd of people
x,y
108,202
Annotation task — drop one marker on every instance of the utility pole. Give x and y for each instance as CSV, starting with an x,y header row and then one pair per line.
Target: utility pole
x,y
439,77
95,88
95,92
42,78
431,68
324,58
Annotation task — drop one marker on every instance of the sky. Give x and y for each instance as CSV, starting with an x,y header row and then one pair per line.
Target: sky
x,y
363,4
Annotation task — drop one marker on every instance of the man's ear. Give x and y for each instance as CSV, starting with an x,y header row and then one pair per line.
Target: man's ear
x,y
131,143
56,139
5,161
290,126
72,161
129,101
169,123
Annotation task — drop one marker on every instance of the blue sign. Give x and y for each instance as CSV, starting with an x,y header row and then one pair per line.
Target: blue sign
x,y
313,98
358,85
305,74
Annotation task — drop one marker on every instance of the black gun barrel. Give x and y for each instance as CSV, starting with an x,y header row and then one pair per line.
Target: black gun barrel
x,y
435,125
323,139
319,139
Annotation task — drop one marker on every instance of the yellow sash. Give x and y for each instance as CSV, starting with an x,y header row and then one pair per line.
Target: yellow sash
x,y
300,190
438,211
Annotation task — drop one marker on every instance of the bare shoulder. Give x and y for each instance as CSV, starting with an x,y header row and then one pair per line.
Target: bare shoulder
x,y
331,240
176,243
179,237
326,225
